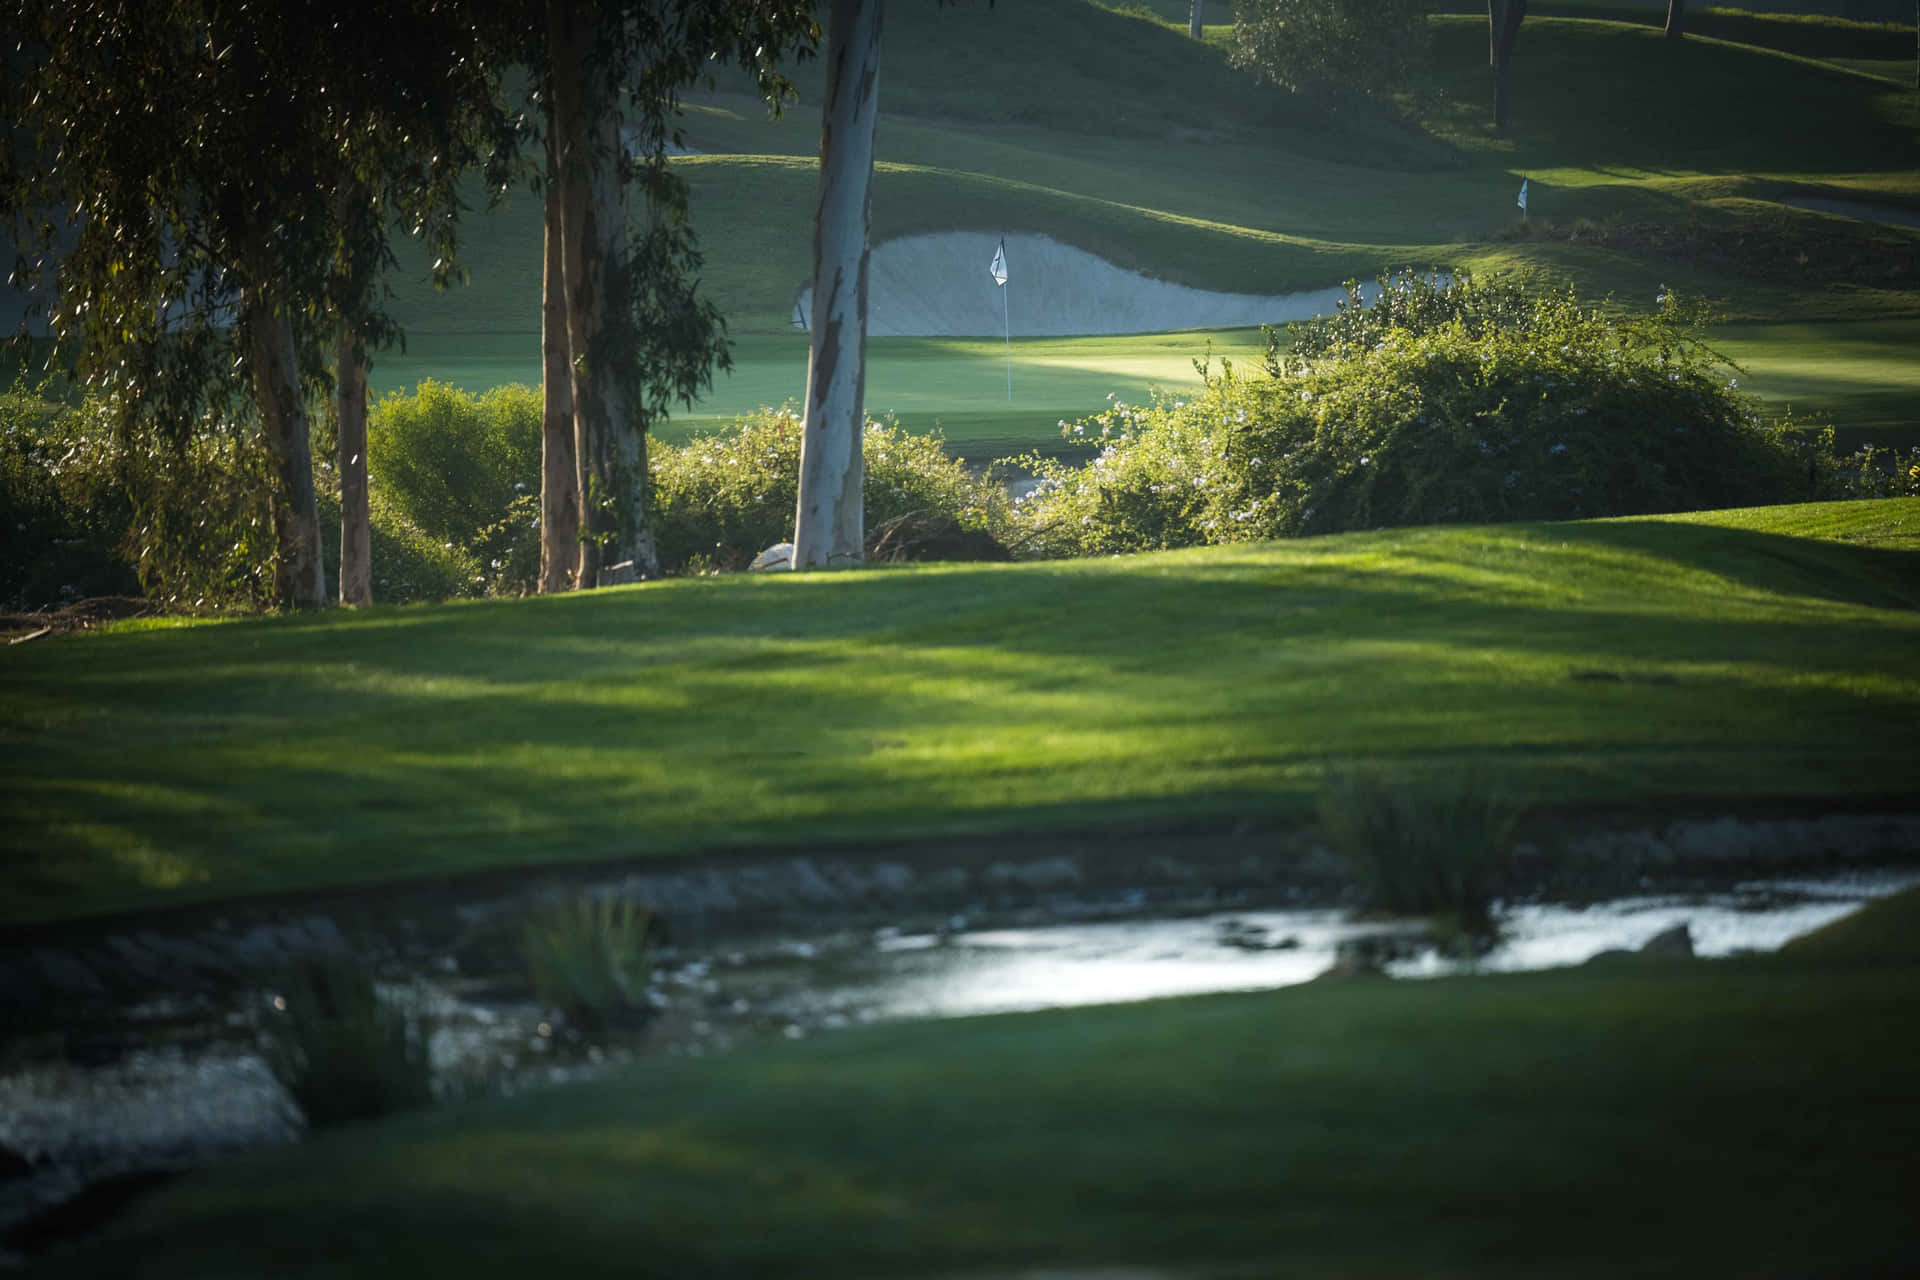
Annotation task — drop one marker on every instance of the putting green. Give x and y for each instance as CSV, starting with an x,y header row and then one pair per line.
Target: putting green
x,y
958,386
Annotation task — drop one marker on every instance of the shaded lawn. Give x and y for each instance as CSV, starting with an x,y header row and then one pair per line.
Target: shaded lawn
x,y
1745,1117
1599,663
1862,376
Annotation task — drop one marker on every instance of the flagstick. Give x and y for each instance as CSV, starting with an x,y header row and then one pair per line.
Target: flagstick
x,y
1007,310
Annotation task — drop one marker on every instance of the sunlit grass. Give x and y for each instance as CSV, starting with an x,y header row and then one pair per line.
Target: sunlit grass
x,y
696,714
957,387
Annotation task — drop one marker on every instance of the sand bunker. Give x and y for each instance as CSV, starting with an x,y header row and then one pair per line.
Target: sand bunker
x,y
939,286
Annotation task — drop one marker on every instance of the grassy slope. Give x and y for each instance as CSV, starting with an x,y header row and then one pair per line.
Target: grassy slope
x,y
1744,1117
1121,136
198,761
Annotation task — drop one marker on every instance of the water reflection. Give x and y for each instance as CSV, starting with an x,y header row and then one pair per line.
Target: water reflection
x,y
1003,970
194,1086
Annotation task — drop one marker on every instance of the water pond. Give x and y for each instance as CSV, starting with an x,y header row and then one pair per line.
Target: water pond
x,y
174,1083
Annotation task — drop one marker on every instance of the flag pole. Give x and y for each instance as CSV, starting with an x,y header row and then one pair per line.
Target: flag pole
x,y
998,270
1006,310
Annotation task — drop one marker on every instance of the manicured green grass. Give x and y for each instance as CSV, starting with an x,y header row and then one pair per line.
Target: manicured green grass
x,y
1747,1117
1117,134
956,386
1862,376
193,762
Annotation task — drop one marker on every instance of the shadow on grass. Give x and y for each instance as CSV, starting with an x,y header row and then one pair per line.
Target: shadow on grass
x,y
295,752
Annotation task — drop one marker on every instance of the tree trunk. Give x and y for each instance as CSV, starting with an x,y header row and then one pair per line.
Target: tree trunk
x,y
1676,17
828,524
610,450
350,401
559,476
299,578
1503,25
1195,26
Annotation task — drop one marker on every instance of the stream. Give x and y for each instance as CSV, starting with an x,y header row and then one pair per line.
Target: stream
x,y
169,1084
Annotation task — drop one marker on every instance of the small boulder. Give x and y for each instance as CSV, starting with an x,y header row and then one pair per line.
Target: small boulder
x,y
1677,941
777,556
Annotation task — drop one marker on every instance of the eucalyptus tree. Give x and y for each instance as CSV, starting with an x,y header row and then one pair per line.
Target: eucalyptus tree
x,y
411,104
830,513
229,174
638,335
1503,28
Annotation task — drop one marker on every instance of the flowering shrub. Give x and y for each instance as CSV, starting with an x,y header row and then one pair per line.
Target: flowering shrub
x,y
720,499
1417,304
1453,413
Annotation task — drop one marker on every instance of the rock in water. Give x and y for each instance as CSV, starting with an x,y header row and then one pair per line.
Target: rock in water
x,y
1677,941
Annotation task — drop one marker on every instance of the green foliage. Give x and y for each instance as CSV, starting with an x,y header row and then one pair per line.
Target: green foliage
x,y
93,508
1440,848
202,536
588,958
512,545
1868,472
408,565
1414,304
61,514
453,463
1433,406
1331,48
721,499
342,1050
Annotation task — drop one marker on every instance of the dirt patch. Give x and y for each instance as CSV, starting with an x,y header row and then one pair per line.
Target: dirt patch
x,y
81,615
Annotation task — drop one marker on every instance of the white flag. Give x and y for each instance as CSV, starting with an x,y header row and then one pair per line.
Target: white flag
x,y
1523,195
999,268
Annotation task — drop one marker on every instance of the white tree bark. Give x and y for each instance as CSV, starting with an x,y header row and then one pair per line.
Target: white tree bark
x,y
829,521
299,577
1195,26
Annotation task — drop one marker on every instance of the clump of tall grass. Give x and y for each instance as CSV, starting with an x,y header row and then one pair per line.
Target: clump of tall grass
x,y
589,958
1442,848
341,1049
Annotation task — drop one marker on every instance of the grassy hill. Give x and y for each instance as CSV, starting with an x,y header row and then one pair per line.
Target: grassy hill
x,y
1718,660
1651,162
